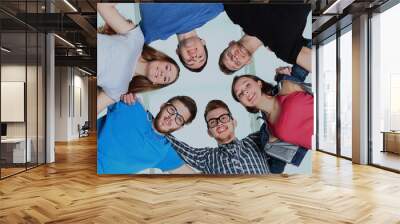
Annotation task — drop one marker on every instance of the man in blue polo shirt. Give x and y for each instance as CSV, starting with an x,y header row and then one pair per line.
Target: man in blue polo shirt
x,y
130,140
160,21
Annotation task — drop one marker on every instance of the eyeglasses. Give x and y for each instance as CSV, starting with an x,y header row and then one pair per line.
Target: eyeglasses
x,y
224,118
171,109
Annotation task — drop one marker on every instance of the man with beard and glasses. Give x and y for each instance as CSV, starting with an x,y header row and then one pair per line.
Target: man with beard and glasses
x,y
130,140
160,21
277,27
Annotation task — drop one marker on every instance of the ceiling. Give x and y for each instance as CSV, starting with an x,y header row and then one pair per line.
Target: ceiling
x,y
75,22
22,21
330,15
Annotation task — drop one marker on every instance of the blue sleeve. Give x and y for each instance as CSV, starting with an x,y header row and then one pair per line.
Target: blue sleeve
x,y
171,161
100,124
299,74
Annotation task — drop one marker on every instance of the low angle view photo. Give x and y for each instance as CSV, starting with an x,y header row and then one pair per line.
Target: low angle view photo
x,y
199,112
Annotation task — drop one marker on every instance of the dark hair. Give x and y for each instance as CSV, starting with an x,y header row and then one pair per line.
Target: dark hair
x,y
215,104
195,69
189,103
266,88
222,66
140,83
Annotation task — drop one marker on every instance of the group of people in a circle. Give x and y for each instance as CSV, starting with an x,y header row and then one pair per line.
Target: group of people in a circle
x,y
131,140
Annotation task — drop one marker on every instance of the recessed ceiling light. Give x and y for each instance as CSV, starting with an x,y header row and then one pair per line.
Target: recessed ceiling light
x,y
84,71
5,50
64,40
70,5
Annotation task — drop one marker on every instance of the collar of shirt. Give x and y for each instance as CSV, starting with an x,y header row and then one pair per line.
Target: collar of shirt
x,y
150,116
231,146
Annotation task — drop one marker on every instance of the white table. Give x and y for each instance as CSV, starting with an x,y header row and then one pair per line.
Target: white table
x,y
18,144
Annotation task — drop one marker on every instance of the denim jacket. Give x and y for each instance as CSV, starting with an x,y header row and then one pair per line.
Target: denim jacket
x,y
280,150
298,75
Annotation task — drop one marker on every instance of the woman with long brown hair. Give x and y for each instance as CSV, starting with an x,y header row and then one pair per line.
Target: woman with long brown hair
x,y
288,115
124,63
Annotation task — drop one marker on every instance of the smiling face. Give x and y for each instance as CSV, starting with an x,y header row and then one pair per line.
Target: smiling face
x,y
248,91
236,56
171,117
161,72
192,52
222,132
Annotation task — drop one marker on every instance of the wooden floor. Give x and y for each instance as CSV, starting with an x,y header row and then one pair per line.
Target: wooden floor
x,y
69,191
387,159
10,171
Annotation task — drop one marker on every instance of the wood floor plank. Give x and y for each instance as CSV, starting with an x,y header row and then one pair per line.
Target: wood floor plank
x,y
70,191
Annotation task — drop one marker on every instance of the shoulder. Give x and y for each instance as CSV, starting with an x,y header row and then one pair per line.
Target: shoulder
x,y
252,138
121,106
295,98
136,33
134,39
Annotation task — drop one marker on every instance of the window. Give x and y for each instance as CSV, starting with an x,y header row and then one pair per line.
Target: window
x,y
327,96
23,73
385,89
346,93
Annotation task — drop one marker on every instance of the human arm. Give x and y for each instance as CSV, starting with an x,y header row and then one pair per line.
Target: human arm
x,y
293,76
129,98
194,157
103,101
275,148
256,137
289,85
184,169
304,58
113,18
295,73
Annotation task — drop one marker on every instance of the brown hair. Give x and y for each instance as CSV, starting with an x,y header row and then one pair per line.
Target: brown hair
x,y
189,103
221,64
215,104
140,83
266,88
195,69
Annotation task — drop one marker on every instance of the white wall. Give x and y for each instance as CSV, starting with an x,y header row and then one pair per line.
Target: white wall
x,y
67,115
33,126
12,73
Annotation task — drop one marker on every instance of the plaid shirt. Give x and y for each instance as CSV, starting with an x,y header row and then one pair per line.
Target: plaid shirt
x,y
237,157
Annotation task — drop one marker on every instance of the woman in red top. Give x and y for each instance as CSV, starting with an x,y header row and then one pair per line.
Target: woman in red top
x,y
289,113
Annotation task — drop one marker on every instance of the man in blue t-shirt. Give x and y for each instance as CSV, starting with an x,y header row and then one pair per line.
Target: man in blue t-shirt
x,y
160,21
130,140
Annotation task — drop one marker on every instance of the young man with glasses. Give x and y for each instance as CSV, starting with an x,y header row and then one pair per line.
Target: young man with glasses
x,y
130,140
232,156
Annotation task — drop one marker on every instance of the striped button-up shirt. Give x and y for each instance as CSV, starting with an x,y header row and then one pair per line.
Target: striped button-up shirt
x,y
237,157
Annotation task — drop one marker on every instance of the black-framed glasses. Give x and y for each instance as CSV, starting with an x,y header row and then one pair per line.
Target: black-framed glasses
x,y
171,109
224,118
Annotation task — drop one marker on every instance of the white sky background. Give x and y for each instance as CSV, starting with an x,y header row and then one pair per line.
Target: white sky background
x,y
211,83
